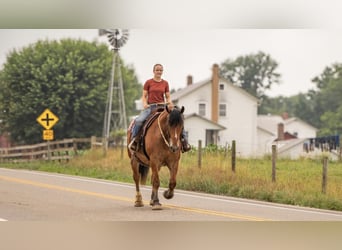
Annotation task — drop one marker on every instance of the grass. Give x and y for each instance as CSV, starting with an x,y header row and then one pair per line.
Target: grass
x,y
298,182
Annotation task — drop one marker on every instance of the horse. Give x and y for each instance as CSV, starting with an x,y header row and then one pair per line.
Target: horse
x,y
161,147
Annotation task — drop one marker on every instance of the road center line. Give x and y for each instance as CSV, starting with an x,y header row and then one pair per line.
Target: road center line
x,y
188,194
112,197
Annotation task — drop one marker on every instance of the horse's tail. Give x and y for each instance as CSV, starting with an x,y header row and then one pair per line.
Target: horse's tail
x,y
143,171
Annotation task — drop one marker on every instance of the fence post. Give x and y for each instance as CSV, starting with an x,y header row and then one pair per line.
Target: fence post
x,y
199,153
274,158
233,155
324,175
48,150
74,145
92,142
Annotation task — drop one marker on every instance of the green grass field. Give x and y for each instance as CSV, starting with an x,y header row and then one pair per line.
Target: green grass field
x,y
297,182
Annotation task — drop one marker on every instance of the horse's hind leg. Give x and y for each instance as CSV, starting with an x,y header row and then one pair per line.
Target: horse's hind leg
x,y
136,177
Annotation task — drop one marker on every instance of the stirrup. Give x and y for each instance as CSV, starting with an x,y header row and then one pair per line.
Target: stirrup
x,y
133,144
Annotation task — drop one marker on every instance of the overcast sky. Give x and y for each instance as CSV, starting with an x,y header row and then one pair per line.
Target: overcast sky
x,y
301,53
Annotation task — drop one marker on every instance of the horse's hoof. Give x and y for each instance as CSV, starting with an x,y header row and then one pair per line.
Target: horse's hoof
x,y
138,204
168,195
157,207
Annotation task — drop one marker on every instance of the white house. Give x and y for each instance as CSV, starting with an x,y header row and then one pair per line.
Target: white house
x,y
288,133
218,112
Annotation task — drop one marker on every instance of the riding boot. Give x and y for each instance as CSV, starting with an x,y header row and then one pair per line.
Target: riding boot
x,y
185,145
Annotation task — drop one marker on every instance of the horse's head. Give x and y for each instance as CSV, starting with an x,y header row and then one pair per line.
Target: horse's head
x,y
175,126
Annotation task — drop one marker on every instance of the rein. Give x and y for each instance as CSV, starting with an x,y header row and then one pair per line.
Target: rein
x,y
161,132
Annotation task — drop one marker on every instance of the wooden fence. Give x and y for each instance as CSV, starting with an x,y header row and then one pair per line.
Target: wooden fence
x,y
50,150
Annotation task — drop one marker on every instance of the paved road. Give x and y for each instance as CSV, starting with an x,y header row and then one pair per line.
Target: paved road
x,y
39,196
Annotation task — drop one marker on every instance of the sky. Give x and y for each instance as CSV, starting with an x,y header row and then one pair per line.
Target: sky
x,y
301,54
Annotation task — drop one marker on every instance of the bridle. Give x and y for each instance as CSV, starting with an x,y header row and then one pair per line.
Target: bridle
x,y
161,131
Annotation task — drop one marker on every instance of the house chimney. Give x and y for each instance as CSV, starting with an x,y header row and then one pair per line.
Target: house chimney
x,y
214,93
189,80
281,135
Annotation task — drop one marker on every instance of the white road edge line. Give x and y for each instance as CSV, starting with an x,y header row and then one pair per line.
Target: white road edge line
x,y
184,193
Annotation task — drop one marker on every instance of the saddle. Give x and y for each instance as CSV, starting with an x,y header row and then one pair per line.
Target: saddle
x,y
142,133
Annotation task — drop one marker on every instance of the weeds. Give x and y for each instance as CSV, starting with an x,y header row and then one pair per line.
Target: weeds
x,y
297,182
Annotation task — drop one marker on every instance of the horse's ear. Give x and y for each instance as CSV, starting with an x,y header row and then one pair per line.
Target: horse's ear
x,y
167,108
182,109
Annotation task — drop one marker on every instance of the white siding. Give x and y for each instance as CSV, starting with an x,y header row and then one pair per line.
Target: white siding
x,y
292,153
196,129
192,100
265,141
302,129
240,120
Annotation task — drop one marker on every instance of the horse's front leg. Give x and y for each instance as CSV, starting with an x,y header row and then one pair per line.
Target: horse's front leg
x,y
168,194
155,186
136,177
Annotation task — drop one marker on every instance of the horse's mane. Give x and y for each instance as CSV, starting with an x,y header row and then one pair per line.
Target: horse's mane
x,y
175,117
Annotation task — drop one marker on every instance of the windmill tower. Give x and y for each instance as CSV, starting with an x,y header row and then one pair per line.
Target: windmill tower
x,y
115,113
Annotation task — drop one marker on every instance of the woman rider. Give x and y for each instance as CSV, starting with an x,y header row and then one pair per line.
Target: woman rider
x,y
155,92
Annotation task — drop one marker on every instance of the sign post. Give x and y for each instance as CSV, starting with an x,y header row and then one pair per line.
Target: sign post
x,y
47,119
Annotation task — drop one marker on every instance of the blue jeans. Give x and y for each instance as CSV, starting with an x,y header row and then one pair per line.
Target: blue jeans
x,y
139,121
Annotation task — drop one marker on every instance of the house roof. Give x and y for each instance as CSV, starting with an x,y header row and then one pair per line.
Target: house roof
x,y
284,146
265,130
192,87
219,126
188,89
270,122
293,119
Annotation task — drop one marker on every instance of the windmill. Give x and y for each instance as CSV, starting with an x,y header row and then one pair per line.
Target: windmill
x,y
115,113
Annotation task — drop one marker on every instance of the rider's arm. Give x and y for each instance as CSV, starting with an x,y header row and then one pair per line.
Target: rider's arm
x,y
168,98
144,99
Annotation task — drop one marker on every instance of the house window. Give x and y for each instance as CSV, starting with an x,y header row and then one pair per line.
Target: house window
x,y
201,109
223,110
221,86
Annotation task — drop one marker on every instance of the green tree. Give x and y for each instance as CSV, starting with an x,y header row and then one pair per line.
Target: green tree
x,y
70,77
328,101
255,73
301,105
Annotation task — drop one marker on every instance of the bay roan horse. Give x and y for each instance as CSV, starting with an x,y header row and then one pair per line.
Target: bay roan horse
x,y
161,147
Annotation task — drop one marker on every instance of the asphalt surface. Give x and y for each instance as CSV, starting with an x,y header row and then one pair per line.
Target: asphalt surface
x,y
39,196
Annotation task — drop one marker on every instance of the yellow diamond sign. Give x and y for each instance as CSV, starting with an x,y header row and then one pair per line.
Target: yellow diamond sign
x,y
47,119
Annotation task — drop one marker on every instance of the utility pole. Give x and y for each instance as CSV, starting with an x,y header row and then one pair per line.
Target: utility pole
x,y
115,114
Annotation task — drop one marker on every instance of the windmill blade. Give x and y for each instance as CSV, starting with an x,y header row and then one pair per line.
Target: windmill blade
x,y
117,37
102,32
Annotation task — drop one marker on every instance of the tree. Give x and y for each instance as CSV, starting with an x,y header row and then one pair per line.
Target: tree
x,y
255,73
70,77
328,102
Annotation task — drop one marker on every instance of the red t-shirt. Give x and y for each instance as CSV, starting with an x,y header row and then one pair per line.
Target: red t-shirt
x,y
156,90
